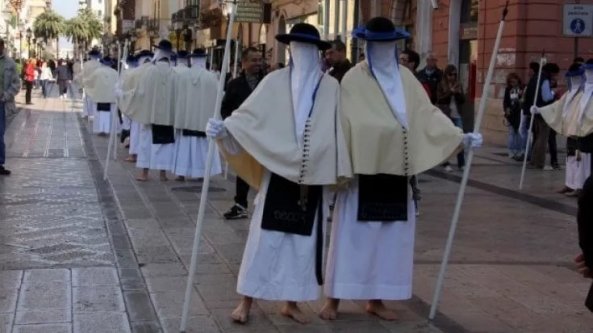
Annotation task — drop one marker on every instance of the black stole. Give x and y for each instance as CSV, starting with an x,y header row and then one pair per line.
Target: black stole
x,y
163,134
283,212
382,198
104,107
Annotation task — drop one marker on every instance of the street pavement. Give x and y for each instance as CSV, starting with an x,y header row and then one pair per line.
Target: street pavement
x,y
80,254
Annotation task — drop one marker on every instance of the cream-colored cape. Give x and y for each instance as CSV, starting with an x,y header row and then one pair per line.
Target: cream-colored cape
x,y
195,98
100,85
376,139
154,95
264,126
130,102
574,123
87,69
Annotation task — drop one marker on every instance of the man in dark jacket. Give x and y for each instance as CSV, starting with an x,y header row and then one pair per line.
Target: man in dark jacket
x,y
336,59
431,76
237,91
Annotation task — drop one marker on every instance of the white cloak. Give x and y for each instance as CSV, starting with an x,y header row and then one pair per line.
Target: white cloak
x,y
155,91
190,157
153,156
577,172
100,85
102,120
88,68
195,98
135,129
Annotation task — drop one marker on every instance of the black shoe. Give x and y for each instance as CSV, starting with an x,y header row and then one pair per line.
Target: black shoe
x,y
4,172
236,212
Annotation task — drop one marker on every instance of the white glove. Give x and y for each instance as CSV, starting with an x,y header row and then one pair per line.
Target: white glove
x,y
534,110
118,89
472,140
216,129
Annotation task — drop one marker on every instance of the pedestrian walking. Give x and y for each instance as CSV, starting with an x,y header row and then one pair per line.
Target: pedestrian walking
x,y
29,79
63,77
10,84
237,91
45,78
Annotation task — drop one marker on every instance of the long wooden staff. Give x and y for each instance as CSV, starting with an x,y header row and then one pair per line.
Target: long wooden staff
x,y
206,184
461,194
542,62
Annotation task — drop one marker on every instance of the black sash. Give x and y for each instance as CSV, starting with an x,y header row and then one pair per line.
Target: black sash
x,y
589,300
104,107
585,144
571,146
283,212
198,134
382,198
163,134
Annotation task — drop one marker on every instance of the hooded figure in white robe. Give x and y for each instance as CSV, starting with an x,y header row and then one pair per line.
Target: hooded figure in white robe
x,y
194,104
286,142
130,101
99,87
156,92
87,69
572,116
393,132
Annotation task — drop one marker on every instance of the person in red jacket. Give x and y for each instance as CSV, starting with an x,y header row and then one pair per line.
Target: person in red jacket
x,y
29,79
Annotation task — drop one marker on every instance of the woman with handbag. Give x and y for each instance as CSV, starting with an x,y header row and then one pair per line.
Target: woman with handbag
x,y
450,99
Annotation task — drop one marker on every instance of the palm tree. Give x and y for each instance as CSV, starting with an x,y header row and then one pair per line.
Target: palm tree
x,y
48,26
94,26
77,31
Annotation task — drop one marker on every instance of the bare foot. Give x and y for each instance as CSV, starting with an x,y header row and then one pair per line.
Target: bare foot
x,y
131,159
241,313
377,308
180,178
329,311
164,176
143,176
291,310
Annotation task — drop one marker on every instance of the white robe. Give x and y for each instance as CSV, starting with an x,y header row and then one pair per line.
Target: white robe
x,y
102,119
190,157
577,172
278,266
88,106
369,260
153,156
135,129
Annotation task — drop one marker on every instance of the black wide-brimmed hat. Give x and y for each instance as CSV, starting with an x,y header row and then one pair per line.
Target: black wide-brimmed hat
x,y
107,61
165,45
575,70
380,29
305,33
95,53
182,55
144,53
131,58
198,53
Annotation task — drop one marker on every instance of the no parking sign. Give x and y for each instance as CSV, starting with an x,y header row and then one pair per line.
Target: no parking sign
x,y
578,20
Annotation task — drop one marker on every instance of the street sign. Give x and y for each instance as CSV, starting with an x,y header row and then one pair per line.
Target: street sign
x,y
251,11
578,20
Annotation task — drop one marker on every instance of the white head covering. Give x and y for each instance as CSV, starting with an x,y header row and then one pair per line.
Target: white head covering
x,y
198,62
305,76
160,54
587,91
382,59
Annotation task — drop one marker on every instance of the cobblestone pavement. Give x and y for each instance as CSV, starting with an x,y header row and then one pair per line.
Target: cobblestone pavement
x,y
511,266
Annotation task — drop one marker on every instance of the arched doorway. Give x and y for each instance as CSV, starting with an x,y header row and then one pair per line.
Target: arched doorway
x,y
281,48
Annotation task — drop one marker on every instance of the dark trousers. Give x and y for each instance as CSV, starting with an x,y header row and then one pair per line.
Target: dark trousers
x,y
44,88
553,148
541,134
242,189
28,86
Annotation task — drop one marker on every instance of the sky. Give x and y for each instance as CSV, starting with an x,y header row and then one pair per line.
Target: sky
x,y
68,9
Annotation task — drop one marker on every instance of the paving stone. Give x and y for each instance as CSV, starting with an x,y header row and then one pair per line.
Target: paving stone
x,y
6,320
155,254
43,317
146,327
170,304
168,269
139,306
95,276
101,322
50,296
8,300
44,276
10,280
43,328
198,324
165,283
98,298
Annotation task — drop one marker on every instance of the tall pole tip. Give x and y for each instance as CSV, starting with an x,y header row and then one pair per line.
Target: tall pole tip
x,y
505,10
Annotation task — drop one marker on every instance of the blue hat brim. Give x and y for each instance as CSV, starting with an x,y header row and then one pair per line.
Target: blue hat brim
x,y
371,36
580,72
287,38
587,66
